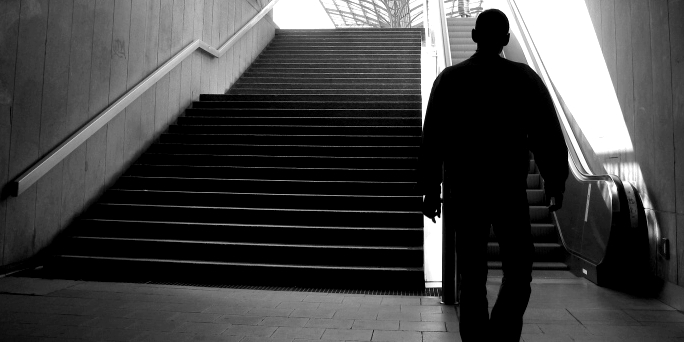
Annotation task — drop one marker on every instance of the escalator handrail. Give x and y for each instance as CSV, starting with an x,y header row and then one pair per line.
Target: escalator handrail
x,y
576,159
444,25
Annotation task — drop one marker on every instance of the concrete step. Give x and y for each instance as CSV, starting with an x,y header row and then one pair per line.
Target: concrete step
x,y
339,187
301,112
340,83
298,121
276,149
295,139
297,130
249,273
363,236
339,104
348,74
297,64
341,49
273,91
356,162
314,98
265,200
334,69
343,44
333,56
272,173
256,215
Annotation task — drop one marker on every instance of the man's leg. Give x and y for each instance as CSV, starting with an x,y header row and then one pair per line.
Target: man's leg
x,y
471,247
513,231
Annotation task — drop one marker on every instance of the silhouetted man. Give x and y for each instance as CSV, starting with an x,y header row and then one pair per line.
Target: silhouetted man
x,y
484,116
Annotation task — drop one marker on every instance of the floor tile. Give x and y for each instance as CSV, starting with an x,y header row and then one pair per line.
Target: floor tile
x,y
203,328
296,332
656,315
324,298
397,336
196,317
330,323
155,325
400,316
441,337
602,316
354,314
297,305
215,338
347,335
364,324
250,330
285,321
166,337
313,313
422,326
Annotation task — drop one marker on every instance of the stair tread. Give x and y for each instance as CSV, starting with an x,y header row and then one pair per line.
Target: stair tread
x,y
271,156
257,209
256,225
284,145
175,261
263,194
274,167
261,244
269,180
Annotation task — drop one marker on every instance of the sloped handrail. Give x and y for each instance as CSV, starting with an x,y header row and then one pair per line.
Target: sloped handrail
x,y
446,44
43,166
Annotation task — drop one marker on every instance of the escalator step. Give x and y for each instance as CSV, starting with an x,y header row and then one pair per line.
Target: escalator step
x,y
559,266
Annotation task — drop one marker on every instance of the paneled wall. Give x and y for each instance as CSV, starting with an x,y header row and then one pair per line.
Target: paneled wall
x,y
643,46
63,61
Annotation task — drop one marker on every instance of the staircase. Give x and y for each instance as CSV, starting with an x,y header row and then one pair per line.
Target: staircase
x,y
302,175
549,252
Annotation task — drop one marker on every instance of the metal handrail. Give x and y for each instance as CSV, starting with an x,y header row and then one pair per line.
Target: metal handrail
x,y
43,166
446,44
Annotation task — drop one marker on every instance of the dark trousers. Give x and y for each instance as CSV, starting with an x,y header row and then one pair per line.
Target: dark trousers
x,y
507,211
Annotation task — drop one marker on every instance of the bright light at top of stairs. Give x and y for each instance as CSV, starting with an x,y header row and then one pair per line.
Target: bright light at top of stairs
x,y
301,14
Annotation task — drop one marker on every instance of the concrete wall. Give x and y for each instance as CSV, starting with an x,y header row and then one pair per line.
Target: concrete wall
x,y
643,45
63,61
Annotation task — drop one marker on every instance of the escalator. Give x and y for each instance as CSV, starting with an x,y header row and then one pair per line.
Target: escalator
x,y
548,250
601,232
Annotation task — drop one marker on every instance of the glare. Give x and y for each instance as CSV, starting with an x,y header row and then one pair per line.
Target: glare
x,y
301,14
573,57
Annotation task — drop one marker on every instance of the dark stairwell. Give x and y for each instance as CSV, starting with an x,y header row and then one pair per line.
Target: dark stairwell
x,y
302,175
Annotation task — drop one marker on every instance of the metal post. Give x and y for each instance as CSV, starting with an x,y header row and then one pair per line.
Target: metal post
x,y
449,264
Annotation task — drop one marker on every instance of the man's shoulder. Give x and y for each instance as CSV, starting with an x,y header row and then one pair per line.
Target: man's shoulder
x,y
521,67
458,68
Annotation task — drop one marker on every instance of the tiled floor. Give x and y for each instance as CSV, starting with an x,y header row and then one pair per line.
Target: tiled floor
x,y
567,309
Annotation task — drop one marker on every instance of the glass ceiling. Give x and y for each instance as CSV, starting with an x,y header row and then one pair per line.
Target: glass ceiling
x,y
391,13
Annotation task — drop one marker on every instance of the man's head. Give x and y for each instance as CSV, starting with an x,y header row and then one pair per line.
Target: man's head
x,y
491,30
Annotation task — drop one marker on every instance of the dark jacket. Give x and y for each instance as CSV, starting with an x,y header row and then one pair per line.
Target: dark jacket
x,y
483,117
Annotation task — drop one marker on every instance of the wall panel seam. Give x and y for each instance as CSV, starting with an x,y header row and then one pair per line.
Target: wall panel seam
x,y
672,89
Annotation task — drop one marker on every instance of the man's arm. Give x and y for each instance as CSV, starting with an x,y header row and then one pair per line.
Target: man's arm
x,y
547,142
431,155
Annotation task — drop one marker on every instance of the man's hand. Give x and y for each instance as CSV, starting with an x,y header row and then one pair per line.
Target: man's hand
x,y
556,203
432,206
